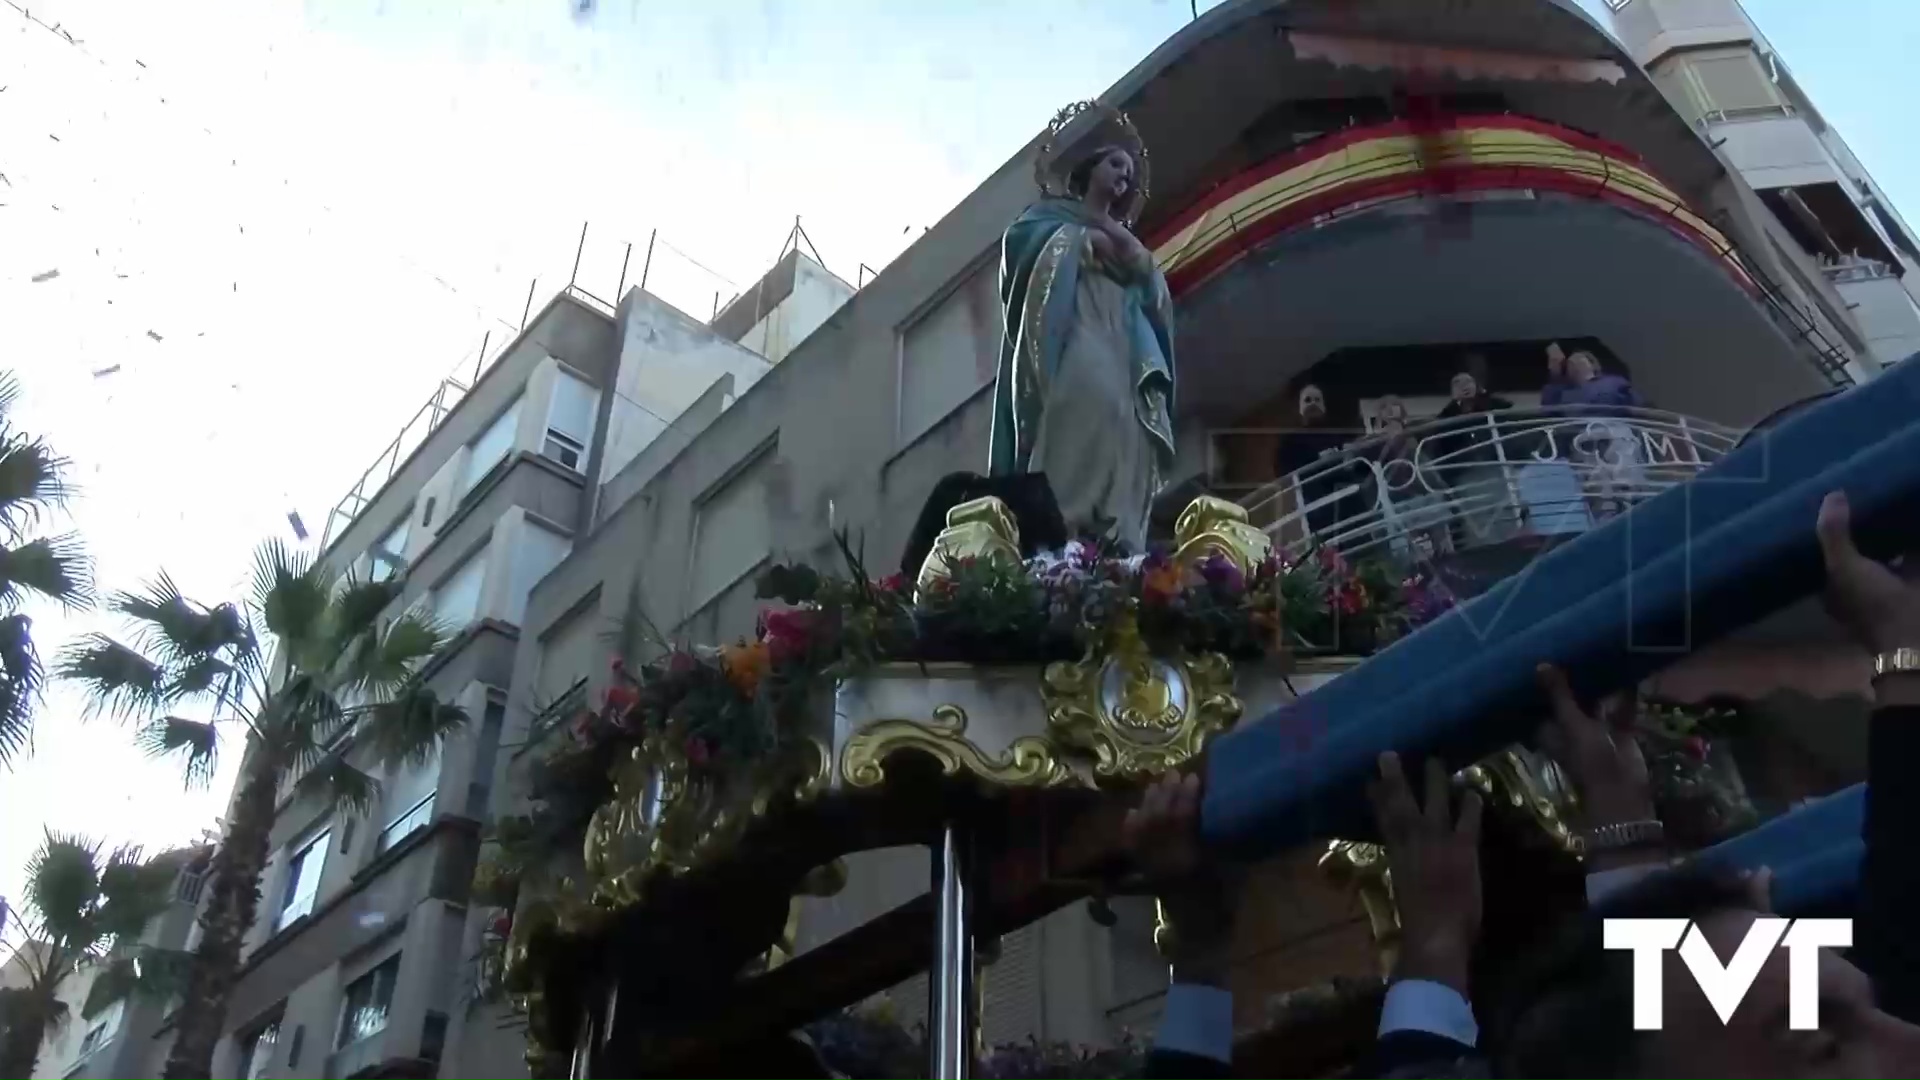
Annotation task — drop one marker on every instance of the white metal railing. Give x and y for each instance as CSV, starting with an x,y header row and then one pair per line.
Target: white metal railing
x,y
1856,268
1475,481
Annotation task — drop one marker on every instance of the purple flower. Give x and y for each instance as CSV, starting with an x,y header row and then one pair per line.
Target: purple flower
x,y
1222,573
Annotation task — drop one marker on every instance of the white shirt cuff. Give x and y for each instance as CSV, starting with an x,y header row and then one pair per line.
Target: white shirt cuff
x,y
1437,1009
1605,883
1198,1020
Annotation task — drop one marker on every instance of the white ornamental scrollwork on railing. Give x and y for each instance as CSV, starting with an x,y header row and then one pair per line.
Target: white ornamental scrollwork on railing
x,y
1444,486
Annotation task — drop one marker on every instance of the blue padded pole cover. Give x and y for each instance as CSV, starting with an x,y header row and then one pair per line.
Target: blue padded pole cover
x,y
1457,690
1814,852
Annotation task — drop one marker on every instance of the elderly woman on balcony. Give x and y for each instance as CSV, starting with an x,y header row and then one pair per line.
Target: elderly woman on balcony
x,y
1607,448
1415,513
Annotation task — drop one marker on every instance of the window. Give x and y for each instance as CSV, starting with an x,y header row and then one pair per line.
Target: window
x,y
1726,84
538,551
256,1052
493,445
389,555
369,997
303,879
732,531
457,601
408,797
410,821
570,420
948,353
101,1031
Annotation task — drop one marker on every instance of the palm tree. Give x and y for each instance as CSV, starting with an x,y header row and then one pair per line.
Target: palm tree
x,y
337,668
32,483
83,911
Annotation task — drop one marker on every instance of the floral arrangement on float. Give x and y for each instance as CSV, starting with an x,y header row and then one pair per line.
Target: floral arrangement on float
x,y
1697,787
729,706
1083,666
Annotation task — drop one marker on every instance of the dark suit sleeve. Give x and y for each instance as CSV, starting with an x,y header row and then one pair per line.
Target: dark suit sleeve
x,y
1885,944
1174,1065
1421,1054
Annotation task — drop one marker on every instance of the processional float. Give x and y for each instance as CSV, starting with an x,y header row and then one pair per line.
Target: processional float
x,y
998,700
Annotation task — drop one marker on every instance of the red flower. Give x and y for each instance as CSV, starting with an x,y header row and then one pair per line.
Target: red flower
x,y
502,924
618,665
622,698
1350,598
1696,748
1333,562
681,662
790,632
894,583
698,752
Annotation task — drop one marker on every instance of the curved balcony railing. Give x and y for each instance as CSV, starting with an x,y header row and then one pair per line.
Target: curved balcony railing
x,y
1450,486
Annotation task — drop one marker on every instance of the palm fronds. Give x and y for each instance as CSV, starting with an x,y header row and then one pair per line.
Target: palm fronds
x,y
32,485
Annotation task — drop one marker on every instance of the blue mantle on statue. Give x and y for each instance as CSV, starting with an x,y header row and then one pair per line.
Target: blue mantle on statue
x,y
1687,567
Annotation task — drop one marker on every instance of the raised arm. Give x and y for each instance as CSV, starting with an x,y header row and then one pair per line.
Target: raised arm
x,y
1426,1021
1882,611
1162,836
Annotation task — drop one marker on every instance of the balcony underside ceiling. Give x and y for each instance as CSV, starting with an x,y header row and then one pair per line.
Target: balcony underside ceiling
x,y
1696,340
1208,100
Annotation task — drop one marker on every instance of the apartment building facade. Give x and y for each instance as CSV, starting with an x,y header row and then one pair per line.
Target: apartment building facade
x,y
1720,72
116,1041
361,962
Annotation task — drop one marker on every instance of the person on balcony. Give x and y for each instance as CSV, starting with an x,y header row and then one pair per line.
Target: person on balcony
x,y
1415,512
1312,451
1468,459
1606,448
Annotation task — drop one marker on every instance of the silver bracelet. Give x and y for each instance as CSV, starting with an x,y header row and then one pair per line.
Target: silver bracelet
x,y
1626,834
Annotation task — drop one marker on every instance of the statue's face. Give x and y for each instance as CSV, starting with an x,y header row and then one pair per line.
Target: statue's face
x,y
1464,387
1112,176
1313,404
1581,367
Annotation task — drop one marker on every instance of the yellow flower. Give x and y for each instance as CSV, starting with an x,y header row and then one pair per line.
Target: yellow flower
x,y
745,665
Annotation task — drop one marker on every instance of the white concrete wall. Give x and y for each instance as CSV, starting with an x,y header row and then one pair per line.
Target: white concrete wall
x,y
816,295
667,360
1651,28
1887,314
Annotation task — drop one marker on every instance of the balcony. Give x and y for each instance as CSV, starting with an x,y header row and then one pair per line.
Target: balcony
x,y
1476,497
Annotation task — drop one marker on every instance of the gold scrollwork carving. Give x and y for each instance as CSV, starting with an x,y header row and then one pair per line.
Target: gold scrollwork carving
x,y
657,820
1210,526
1362,867
982,528
1137,713
1029,761
1532,783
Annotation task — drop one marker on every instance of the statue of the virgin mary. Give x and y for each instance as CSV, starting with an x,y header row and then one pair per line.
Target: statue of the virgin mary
x,y
1084,388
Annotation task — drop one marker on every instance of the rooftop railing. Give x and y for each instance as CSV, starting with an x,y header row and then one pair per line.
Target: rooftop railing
x,y
1449,486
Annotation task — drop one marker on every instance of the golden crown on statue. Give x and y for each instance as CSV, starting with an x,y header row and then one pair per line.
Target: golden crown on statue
x,y
1078,130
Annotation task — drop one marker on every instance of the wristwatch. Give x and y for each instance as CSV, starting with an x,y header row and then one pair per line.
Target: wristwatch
x,y
1896,662
1626,834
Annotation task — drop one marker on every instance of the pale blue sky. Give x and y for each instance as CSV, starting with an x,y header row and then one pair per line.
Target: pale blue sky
x,y
320,208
